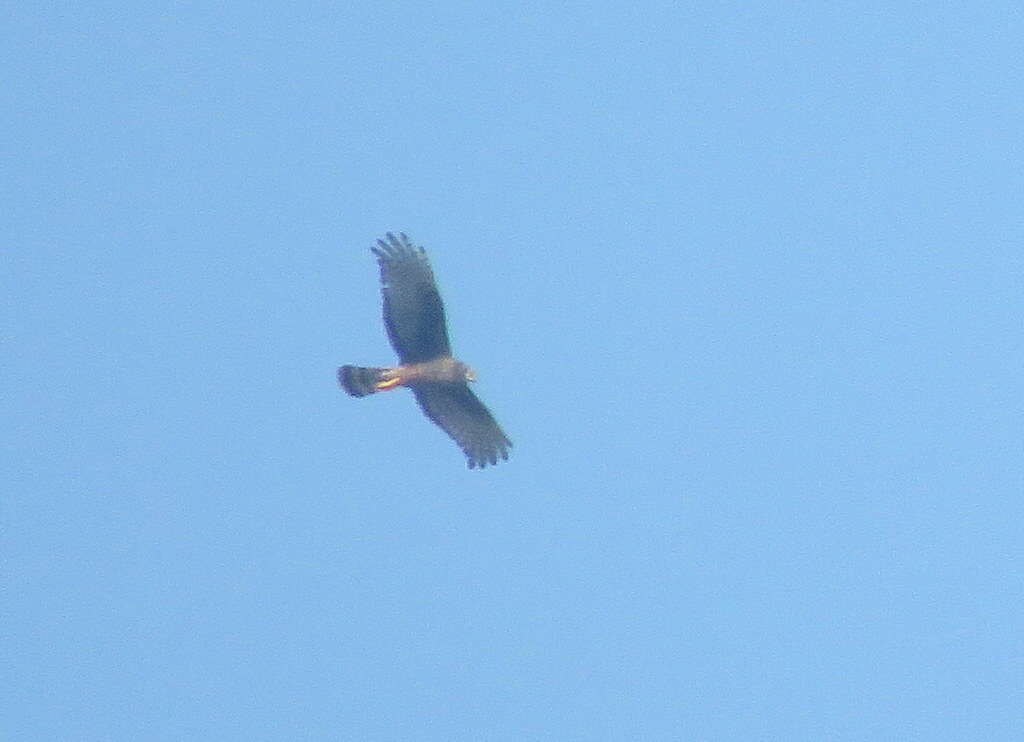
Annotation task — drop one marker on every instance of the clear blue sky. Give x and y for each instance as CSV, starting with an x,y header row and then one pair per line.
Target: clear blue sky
x,y
743,282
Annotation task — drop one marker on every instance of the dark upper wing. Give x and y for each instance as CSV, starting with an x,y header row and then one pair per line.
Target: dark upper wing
x,y
462,416
413,313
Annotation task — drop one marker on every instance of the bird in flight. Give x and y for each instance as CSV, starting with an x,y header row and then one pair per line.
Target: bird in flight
x,y
415,322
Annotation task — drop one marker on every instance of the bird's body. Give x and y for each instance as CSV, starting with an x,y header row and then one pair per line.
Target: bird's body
x,y
359,381
415,321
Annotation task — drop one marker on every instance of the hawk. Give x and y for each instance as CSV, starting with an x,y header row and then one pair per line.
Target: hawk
x,y
415,322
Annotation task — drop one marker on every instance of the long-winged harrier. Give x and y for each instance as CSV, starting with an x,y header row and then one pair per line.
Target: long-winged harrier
x,y
415,321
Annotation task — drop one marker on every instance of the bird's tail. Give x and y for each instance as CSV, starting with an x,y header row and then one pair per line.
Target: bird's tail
x,y
359,381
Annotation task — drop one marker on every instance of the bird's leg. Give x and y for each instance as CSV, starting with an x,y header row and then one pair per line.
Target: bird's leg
x,y
390,378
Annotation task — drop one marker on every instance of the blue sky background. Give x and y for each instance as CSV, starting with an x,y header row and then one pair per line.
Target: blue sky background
x,y
742,281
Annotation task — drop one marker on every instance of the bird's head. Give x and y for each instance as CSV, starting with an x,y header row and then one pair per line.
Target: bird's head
x,y
468,373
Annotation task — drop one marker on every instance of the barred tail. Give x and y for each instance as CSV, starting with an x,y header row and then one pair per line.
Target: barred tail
x,y
359,381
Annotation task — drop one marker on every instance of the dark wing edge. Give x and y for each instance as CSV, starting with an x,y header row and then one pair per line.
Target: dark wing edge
x,y
457,411
413,311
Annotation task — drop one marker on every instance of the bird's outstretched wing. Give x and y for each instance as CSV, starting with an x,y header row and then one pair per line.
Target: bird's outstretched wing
x,y
413,312
462,416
